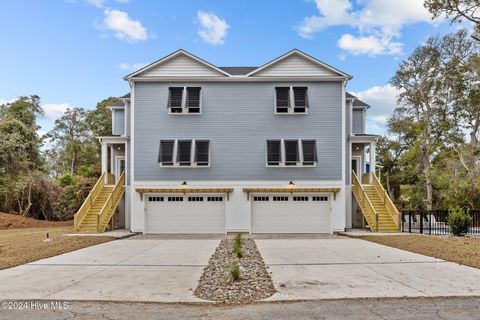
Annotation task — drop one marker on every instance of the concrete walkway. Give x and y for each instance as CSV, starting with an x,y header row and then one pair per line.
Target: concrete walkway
x,y
120,270
353,268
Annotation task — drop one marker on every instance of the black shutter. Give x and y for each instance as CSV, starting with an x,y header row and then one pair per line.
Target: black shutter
x,y
175,99
309,152
193,99
165,156
273,152
283,99
300,99
201,152
184,152
291,152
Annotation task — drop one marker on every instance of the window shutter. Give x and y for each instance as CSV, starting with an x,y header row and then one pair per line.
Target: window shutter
x,y
300,99
273,152
283,99
291,152
309,152
193,99
175,99
165,156
201,152
184,152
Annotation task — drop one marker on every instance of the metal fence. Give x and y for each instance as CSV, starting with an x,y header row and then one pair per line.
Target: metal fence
x,y
435,222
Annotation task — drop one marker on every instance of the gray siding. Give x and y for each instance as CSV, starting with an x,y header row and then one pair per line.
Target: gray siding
x,y
118,122
238,118
358,120
348,148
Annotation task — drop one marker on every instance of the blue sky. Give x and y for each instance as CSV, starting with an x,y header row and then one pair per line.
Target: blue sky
x,y
74,53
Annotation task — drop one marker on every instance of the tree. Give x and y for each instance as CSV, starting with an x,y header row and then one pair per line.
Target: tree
x,y
456,10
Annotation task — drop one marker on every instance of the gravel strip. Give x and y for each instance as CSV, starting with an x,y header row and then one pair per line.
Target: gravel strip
x,y
216,283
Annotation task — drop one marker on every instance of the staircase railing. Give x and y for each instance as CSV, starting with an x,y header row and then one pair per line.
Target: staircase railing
x,y
87,204
365,204
387,201
110,204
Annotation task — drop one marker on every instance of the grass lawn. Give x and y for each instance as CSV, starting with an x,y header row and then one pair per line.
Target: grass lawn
x,y
19,246
461,250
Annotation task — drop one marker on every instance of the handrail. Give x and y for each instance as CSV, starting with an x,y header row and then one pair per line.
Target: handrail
x,y
108,207
387,201
88,202
365,204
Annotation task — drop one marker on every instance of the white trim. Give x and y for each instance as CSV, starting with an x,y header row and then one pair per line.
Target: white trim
x,y
303,55
363,139
117,165
359,165
171,56
116,107
236,79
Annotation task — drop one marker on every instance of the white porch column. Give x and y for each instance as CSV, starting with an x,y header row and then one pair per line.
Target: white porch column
x,y
104,157
373,159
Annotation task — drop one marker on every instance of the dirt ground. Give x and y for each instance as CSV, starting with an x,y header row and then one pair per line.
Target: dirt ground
x,y
13,221
19,246
462,250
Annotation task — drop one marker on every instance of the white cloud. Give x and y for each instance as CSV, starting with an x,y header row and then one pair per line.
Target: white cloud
x,y
123,26
134,66
376,21
370,45
55,110
97,3
213,29
383,100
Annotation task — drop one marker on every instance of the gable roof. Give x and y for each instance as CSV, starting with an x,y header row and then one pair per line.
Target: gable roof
x,y
356,102
303,55
171,56
238,71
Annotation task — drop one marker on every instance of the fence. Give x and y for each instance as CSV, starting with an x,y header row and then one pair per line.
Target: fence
x,y
434,222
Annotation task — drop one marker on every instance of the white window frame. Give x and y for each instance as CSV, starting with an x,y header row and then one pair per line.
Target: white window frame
x,y
193,164
292,102
184,103
282,163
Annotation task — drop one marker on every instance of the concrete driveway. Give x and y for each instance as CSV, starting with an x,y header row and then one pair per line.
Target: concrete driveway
x,y
352,268
120,270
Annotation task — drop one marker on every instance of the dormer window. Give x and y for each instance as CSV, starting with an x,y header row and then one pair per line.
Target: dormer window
x,y
291,100
184,100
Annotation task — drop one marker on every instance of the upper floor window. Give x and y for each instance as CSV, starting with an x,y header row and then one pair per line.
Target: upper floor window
x,y
290,152
184,100
291,100
184,153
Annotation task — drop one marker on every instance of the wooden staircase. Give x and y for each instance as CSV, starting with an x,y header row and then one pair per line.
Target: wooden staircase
x,y
377,207
98,208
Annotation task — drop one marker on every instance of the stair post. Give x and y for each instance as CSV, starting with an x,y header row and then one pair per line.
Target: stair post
x,y
376,222
98,223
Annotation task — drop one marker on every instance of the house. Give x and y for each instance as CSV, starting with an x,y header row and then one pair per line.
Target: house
x,y
197,148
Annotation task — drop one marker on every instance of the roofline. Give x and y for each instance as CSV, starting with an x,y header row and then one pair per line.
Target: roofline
x,y
116,107
170,56
238,79
312,59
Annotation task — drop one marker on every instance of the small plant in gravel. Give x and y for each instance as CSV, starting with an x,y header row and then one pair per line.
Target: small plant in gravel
x,y
235,271
459,221
237,248
238,239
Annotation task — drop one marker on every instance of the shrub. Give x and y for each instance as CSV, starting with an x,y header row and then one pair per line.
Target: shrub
x,y
238,239
237,248
235,271
459,221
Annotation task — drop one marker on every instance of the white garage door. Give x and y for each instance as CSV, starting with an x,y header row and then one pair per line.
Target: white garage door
x,y
185,214
290,213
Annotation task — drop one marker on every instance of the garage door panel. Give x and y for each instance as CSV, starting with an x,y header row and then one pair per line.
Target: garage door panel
x,y
302,216
176,214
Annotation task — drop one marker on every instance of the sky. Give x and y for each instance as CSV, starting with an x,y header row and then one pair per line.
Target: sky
x,y
74,53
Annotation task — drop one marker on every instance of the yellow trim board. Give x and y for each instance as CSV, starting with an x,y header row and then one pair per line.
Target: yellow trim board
x,y
292,190
184,190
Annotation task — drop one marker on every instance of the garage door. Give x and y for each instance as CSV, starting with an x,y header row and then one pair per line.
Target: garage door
x,y
290,213
185,214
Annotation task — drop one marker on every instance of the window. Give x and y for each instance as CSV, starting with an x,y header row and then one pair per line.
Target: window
x,y
300,198
274,156
166,152
214,199
290,100
155,199
175,199
280,198
320,198
184,100
184,153
281,153
195,199
261,198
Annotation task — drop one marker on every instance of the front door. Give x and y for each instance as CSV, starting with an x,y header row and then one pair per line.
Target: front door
x,y
120,167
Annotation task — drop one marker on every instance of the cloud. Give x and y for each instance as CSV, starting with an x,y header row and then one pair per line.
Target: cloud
x,y
377,21
383,100
123,26
97,3
54,111
213,29
134,66
369,45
